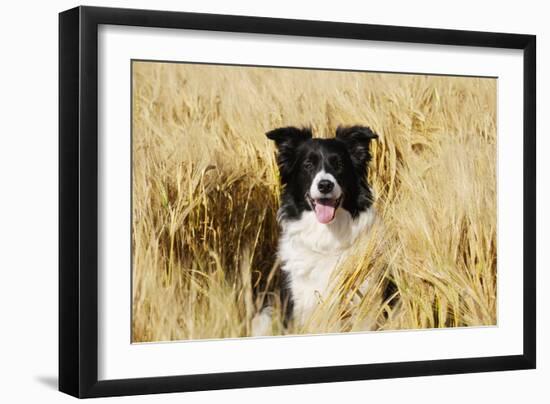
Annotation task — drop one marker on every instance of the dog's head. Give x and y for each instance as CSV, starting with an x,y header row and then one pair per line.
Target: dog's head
x,y
323,175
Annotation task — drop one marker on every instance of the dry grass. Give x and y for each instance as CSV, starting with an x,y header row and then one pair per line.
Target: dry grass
x,y
205,195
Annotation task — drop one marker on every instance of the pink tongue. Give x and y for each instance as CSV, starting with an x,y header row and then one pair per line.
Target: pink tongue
x,y
324,213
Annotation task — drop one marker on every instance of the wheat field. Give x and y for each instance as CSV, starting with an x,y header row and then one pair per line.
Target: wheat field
x,y
205,197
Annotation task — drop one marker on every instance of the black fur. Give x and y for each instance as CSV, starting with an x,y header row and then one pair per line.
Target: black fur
x,y
286,300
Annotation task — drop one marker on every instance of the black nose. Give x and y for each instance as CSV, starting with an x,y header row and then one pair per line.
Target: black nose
x,y
325,186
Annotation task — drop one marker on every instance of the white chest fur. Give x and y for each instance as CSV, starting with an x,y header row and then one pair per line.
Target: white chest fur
x,y
310,252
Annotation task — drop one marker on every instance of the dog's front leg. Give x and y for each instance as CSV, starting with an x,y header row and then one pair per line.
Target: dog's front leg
x,y
261,323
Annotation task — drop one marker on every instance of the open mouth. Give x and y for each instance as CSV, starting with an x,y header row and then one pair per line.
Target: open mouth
x,y
324,208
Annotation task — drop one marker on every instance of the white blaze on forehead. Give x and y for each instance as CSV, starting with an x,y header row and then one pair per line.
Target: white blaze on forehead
x,y
314,188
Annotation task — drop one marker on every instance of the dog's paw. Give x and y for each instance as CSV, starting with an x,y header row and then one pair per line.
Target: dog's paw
x,y
261,323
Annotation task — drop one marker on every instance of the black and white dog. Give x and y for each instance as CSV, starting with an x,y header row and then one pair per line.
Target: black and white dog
x,y
326,203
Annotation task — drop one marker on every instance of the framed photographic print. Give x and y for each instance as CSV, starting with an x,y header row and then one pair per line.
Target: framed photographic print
x,y
250,201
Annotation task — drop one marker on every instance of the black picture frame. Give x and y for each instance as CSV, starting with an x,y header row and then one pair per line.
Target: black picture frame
x,y
78,200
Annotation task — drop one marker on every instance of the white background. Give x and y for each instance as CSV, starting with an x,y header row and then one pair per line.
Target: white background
x,y
28,202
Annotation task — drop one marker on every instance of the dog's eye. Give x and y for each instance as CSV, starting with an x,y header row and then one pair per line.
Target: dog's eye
x,y
308,165
336,163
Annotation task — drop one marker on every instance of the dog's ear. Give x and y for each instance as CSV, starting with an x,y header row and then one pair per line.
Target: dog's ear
x,y
287,139
289,136
357,140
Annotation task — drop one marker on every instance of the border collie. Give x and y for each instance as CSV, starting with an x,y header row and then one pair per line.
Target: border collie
x,y
326,203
